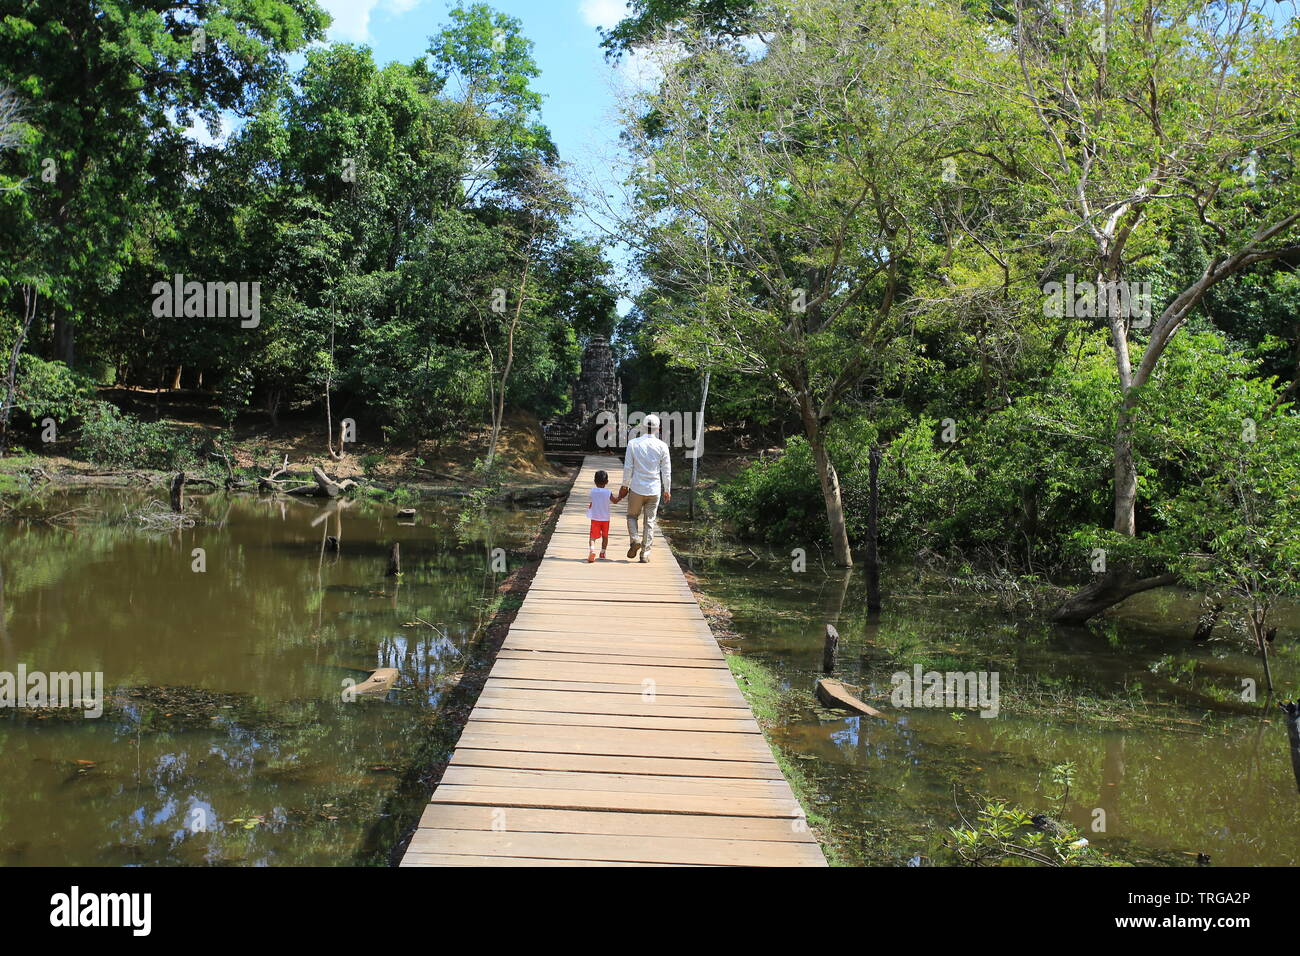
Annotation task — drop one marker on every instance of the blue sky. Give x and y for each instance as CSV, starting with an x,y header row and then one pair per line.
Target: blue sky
x,y
576,81
575,77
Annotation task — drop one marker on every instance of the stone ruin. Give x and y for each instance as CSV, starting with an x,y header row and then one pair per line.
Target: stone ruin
x,y
598,389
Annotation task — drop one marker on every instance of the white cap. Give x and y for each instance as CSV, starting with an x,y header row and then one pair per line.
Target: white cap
x,y
652,423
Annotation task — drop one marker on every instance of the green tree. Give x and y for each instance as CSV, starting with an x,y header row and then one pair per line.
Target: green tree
x,y
786,205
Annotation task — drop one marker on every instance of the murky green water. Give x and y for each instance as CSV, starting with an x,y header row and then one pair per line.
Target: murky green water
x,y
226,738
1129,704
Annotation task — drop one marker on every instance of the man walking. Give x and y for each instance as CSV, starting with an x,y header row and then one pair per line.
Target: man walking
x,y
647,472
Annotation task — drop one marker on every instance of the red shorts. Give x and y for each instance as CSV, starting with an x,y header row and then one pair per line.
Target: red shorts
x,y
599,529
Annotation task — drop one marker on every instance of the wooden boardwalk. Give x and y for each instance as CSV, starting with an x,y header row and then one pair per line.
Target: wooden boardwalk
x,y
610,731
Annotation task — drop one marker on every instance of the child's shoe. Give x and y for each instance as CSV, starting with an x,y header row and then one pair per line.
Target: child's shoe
x,y
591,556
602,555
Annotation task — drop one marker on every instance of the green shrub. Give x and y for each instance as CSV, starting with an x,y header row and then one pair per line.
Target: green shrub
x,y
50,390
777,500
114,440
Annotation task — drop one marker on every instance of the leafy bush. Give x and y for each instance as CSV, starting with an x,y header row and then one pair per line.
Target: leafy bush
x,y
777,500
51,390
1014,487
114,440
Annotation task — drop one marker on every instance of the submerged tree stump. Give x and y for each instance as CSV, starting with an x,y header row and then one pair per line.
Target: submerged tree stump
x,y
830,649
394,561
1292,710
178,492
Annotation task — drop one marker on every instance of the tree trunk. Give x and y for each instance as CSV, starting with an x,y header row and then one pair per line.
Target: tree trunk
x,y
273,406
830,482
65,340
1125,477
1106,591
873,528
1117,585
329,376
11,375
176,378
178,492
830,649
1292,711
1206,623
699,441
1261,641
499,412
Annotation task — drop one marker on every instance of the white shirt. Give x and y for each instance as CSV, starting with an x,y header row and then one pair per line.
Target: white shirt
x,y
599,506
645,463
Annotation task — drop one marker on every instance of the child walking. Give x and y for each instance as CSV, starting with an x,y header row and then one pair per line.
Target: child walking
x,y
598,511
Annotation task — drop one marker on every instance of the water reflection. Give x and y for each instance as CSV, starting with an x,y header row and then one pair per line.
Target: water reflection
x,y
226,738
1165,752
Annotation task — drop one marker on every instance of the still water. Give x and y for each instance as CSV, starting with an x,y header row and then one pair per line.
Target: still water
x,y
1152,725
226,738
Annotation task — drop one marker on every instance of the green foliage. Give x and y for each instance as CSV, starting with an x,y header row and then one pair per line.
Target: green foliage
x,y
51,389
1003,835
776,500
114,440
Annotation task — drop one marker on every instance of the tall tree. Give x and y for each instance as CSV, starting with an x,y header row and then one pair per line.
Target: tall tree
x,y
111,86
1139,127
785,201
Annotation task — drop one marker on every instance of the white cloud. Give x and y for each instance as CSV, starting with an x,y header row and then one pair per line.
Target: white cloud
x,y
643,68
352,17
603,13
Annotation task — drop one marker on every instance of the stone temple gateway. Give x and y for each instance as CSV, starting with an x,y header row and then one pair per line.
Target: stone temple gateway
x,y
598,389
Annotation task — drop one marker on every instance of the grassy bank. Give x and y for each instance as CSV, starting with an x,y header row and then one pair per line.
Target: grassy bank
x,y
763,693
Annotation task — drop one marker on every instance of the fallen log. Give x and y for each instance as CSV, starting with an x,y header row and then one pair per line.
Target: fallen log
x,y
380,681
325,486
837,694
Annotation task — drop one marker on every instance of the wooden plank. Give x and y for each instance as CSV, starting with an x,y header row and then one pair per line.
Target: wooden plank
x,y
744,725
570,799
614,848
499,735
632,647
700,696
660,766
449,816
589,657
568,622
572,703
589,781
613,673
452,859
